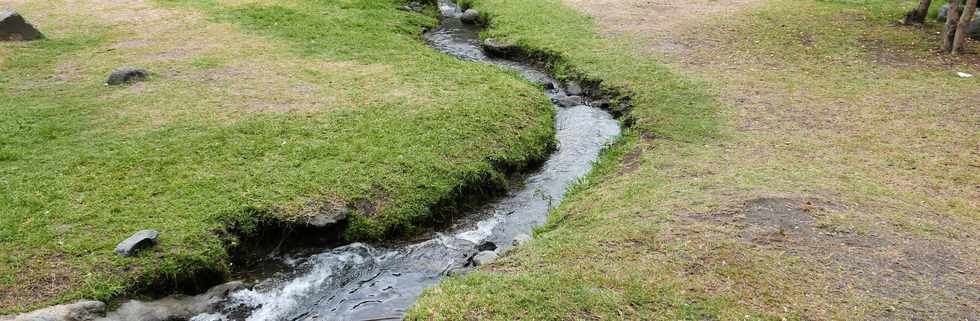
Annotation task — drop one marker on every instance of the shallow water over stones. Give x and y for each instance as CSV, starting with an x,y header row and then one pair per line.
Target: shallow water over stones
x,y
366,282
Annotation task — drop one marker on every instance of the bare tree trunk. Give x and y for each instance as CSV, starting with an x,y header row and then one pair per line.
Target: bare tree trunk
x,y
918,15
952,19
959,40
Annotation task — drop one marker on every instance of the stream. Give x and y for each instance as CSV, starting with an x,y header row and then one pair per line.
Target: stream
x,y
373,282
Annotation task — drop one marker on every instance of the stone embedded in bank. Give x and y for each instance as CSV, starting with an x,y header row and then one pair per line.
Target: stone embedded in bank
x,y
140,240
78,311
484,257
470,16
521,239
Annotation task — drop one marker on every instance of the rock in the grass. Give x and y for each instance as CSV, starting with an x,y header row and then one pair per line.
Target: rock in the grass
x,y
470,16
13,27
943,11
78,311
413,6
177,307
127,75
141,240
521,239
573,88
569,101
484,257
974,29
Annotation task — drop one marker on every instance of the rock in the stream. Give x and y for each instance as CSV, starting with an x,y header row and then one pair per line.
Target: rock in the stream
x,y
486,246
78,311
127,75
140,240
573,88
470,16
484,257
13,27
177,307
521,239
569,101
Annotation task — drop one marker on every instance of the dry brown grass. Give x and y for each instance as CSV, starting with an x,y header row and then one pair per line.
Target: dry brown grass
x,y
870,130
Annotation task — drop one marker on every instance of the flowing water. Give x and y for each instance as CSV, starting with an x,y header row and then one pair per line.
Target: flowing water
x,y
366,282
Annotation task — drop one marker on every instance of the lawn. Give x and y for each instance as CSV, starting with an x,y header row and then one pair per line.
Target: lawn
x,y
255,111
789,160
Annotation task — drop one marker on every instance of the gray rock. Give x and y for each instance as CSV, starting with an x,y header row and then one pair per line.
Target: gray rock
x,y
413,6
177,307
127,75
573,88
974,29
327,218
13,27
944,11
470,16
569,101
521,239
139,240
484,257
486,246
78,311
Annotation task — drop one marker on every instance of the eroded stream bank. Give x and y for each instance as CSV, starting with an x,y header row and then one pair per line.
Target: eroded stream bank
x,y
376,282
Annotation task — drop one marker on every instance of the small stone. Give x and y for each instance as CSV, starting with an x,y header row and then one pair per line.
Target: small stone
x,y
521,239
569,101
470,16
413,6
13,27
139,240
328,218
484,257
127,75
78,311
573,88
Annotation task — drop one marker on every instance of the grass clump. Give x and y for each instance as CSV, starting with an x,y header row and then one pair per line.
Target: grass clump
x,y
255,111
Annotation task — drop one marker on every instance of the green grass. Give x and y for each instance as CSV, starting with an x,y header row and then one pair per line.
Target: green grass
x,y
819,99
383,120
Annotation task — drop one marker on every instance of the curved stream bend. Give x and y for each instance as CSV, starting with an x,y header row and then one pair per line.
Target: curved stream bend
x,y
365,282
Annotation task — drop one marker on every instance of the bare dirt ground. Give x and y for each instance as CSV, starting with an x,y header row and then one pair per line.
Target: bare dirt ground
x,y
847,155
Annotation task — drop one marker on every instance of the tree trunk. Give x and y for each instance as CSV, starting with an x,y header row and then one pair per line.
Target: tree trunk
x,y
918,15
959,40
952,19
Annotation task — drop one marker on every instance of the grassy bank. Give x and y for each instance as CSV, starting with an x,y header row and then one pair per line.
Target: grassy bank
x,y
836,181
254,110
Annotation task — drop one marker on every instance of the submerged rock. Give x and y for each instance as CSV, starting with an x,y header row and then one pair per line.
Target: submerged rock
x,y
13,27
573,88
569,101
470,16
139,240
127,75
78,311
177,307
484,257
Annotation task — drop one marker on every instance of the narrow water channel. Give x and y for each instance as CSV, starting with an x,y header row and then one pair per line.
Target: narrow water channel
x,y
366,282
